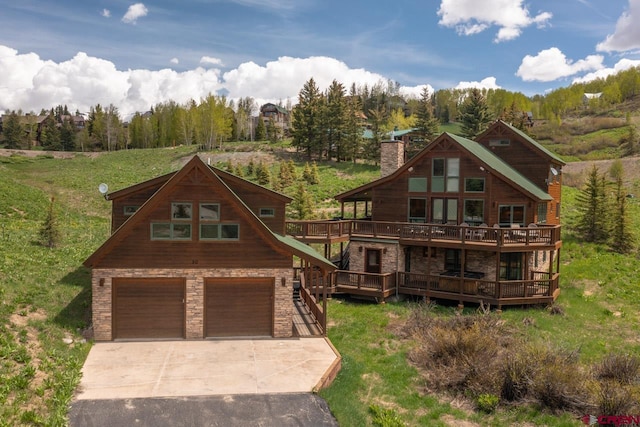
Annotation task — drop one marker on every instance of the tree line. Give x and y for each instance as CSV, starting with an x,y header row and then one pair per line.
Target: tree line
x,y
323,124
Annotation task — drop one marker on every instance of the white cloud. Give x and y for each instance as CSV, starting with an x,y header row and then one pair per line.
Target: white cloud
x,y
174,61
134,12
623,64
415,91
627,34
106,13
551,64
211,60
472,16
486,83
30,83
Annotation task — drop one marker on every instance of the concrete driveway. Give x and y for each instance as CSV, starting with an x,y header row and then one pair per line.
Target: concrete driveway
x,y
118,370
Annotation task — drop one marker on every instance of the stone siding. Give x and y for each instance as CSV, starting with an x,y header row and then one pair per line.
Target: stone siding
x,y
101,283
391,157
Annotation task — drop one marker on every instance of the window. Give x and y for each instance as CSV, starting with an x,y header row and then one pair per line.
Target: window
x,y
474,212
130,210
267,212
511,214
170,231
209,212
542,213
418,185
372,261
474,185
511,266
219,231
452,260
557,210
444,211
499,142
445,175
181,211
417,210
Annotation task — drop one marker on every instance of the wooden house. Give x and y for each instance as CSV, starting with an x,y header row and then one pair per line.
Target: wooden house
x,y
196,254
276,114
463,220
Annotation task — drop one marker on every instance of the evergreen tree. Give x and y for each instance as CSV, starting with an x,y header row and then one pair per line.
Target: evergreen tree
x,y
629,142
261,131
334,120
263,174
592,208
49,231
474,114
306,120
310,173
251,167
273,131
230,167
239,171
353,127
426,122
302,203
50,136
13,131
68,135
284,175
292,169
622,239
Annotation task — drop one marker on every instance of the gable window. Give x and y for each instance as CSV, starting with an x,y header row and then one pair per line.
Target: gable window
x,y
474,211
130,210
417,210
170,231
418,185
445,175
503,142
474,185
511,214
209,212
267,212
181,211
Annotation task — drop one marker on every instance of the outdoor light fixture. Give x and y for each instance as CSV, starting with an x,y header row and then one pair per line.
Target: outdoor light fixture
x,y
103,188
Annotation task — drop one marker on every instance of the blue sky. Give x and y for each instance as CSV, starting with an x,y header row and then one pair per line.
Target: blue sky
x,y
134,55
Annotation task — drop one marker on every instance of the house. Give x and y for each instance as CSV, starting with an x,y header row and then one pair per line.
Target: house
x,y
197,254
276,114
468,221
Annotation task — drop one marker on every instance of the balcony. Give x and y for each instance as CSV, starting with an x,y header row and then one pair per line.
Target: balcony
x,y
421,234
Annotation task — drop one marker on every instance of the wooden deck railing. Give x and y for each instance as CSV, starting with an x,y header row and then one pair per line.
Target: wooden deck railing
x,y
494,236
314,306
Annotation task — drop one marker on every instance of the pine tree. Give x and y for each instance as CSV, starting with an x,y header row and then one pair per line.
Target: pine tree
x,y
334,119
49,231
13,131
292,170
306,173
239,171
474,114
230,167
261,131
284,175
273,131
426,123
629,142
315,178
68,135
262,174
302,203
306,120
622,239
251,167
592,208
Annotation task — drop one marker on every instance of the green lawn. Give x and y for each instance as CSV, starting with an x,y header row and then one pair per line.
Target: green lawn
x,y
45,300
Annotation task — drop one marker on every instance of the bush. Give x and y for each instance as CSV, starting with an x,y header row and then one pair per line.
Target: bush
x,y
487,402
385,417
623,368
614,399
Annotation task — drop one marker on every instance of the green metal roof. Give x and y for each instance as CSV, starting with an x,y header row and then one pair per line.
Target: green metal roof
x,y
299,247
368,133
500,166
534,143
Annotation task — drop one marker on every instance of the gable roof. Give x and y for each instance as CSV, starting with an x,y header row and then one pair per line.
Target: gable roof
x,y
195,165
489,160
536,145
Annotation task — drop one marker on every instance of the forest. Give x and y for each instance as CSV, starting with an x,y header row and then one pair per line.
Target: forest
x,y
324,123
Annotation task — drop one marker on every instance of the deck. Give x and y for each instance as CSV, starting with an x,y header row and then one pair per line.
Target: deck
x,y
541,288
489,238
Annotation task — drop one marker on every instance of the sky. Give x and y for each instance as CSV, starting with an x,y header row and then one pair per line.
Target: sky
x,y
137,54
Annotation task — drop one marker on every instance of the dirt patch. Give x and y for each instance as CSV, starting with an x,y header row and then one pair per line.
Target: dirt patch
x,y
575,173
4,152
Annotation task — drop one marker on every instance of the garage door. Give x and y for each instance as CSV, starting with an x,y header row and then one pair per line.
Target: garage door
x,y
239,307
148,308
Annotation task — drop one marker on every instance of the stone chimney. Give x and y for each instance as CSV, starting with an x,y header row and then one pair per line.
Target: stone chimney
x,y
391,156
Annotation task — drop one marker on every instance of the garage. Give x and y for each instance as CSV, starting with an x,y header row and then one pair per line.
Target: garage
x,y
148,308
238,307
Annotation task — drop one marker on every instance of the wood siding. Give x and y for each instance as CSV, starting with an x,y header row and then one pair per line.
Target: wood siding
x,y
251,250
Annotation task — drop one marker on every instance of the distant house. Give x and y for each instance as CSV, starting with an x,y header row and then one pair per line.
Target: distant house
x,y
587,98
279,115
463,220
199,253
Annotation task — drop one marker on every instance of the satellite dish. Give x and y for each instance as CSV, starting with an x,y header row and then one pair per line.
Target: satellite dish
x,y
103,188
554,171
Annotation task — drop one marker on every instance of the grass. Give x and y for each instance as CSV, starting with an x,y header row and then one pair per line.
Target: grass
x,y
45,301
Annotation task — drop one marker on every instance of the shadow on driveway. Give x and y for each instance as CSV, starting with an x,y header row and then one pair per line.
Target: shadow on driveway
x,y
296,409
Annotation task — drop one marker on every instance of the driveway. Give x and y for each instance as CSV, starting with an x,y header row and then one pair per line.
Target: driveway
x,y
117,370
237,382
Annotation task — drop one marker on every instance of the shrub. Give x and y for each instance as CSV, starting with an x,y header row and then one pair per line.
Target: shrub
x,y
385,417
623,368
614,399
487,402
